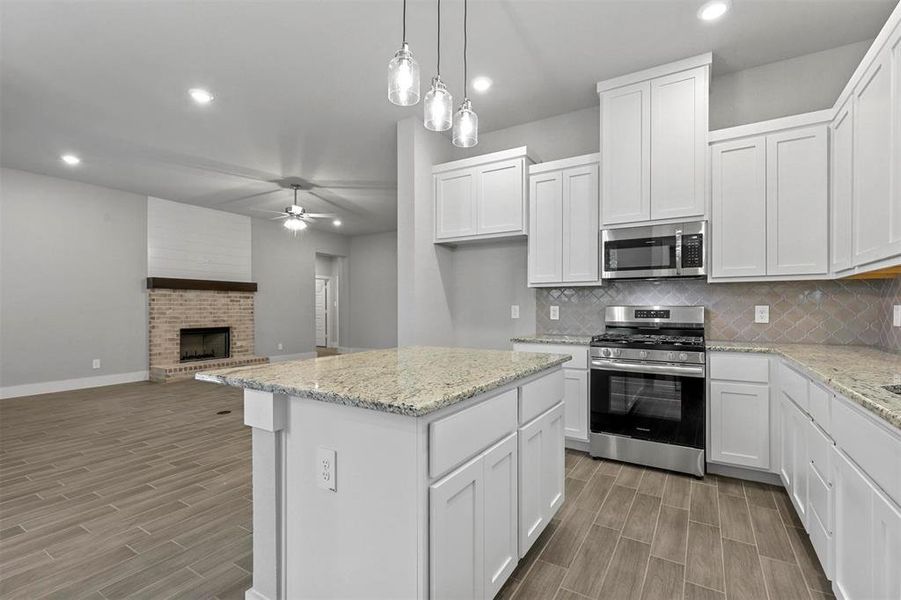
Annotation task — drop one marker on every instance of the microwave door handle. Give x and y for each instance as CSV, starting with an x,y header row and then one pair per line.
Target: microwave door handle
x,y
678,252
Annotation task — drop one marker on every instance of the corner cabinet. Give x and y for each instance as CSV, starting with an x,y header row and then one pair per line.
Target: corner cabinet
x,y
563,224
482,197
654,143
770,200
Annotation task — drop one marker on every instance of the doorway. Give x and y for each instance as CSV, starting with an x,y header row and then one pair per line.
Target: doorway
x,y
327,317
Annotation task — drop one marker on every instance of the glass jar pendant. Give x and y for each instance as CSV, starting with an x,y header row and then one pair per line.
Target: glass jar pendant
x,y
438,106
403,78
466,126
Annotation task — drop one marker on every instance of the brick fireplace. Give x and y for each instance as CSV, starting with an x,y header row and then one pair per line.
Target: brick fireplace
x,y
176,306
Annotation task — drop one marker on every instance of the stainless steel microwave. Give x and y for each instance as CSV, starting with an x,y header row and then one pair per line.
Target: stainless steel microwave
x,y
654,251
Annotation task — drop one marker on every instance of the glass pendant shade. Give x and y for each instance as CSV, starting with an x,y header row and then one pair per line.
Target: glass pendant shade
x,y
466,126
438,106
403,78
295,224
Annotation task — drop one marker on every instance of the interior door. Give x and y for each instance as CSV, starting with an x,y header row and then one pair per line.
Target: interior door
x,y
322,311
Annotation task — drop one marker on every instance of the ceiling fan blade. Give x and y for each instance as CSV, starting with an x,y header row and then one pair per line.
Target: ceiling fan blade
x,y
279,218
321,215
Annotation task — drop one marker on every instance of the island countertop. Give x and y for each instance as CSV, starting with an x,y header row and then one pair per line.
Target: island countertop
x,y
410,381
859,373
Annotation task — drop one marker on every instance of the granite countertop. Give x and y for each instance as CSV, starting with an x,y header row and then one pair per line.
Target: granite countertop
x,y
411,381
553,338
856,372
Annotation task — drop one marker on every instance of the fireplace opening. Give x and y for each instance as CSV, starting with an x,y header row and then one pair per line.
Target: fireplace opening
x,y
205,343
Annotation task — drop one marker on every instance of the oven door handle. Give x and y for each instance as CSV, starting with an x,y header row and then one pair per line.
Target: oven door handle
x,y
613,365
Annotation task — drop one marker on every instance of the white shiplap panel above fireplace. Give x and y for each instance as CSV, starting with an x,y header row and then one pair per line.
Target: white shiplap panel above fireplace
x,y
191,242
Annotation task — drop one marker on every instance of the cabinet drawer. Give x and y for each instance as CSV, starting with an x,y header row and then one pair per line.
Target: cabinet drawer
x,y
819,447
819,497
579,353
537,396
820,406
464,434
821,540
793,385
752,368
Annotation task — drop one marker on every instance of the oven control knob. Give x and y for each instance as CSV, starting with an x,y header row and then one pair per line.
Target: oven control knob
x,y
605,352
670,356
683,356
643,354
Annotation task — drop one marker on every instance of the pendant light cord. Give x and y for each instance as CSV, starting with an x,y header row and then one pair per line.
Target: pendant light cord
x,y
465,41
405,22
438,69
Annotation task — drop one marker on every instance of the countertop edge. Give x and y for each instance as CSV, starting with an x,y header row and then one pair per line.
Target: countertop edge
x,y
359,402
535,339
887,415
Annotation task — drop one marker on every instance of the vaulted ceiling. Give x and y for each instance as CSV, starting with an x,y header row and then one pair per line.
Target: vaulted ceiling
x,y
300,86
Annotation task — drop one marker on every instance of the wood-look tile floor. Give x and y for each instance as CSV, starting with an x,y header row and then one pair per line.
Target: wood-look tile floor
x,y
139,490
630,532
143,490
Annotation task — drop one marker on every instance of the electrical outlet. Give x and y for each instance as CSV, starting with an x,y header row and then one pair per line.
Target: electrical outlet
x,y
95,364
896,318
762,313
514,311
555,313
281,346
325,471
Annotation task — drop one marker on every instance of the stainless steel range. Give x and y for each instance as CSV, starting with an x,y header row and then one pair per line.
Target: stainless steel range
x,y
648,390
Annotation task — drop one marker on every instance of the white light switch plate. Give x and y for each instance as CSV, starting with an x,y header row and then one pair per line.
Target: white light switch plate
x,y
325,469
95,364
896,319
762,313
514,311
555,313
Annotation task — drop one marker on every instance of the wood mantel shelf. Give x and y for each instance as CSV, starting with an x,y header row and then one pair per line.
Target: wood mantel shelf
x,y
172,283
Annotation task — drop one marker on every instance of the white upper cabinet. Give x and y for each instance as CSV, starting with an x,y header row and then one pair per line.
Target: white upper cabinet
x,y
797,202
842,182
482,197
770,200
654,143
563,223
738,208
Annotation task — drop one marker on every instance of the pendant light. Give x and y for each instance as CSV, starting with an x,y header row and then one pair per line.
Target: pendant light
x,y
466,121
403,73
438,106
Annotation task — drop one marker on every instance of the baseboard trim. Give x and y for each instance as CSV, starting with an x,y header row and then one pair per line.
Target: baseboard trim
x,y
285,357
347,350
742,473
66,385
574,444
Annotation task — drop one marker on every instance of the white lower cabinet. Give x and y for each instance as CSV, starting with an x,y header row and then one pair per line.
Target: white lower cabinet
x,y
541,474
793,455
867,537
740,424
473,525
575,399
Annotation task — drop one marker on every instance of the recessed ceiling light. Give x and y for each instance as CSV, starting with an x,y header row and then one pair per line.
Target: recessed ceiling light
x,y
337,222
713,10
200,96
481,83
70,159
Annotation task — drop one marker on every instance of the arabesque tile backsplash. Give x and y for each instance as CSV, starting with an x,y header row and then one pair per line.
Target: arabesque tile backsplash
x,y
811,312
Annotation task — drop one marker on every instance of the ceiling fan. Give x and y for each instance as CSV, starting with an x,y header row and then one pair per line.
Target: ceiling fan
x,y
296,216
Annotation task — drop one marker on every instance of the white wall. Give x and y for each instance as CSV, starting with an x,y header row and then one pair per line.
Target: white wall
x,y
192,242
284,267
373,291
73,261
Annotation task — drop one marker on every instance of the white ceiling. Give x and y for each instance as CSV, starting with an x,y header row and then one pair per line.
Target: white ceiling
x,y
300,85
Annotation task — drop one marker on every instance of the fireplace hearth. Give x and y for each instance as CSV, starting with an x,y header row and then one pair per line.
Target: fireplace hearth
x,y
204,343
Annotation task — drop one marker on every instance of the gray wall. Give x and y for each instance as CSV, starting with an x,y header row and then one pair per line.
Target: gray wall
x,y
284,267
787,87
373,291
73,260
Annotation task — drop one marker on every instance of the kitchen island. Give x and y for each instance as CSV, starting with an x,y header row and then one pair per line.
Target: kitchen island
x,y
404,473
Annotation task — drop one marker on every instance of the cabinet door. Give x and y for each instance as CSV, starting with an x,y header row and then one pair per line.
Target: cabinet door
x,y
842,181
739,208
580,224
740,424
799,461
797,202
455,199
553,472
575,401
679,144
500,197
626,154
874,216
501,551
886,550
546,228
853,527
532,518
456,533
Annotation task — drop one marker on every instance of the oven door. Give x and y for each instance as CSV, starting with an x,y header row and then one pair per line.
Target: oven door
x,y
661,403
